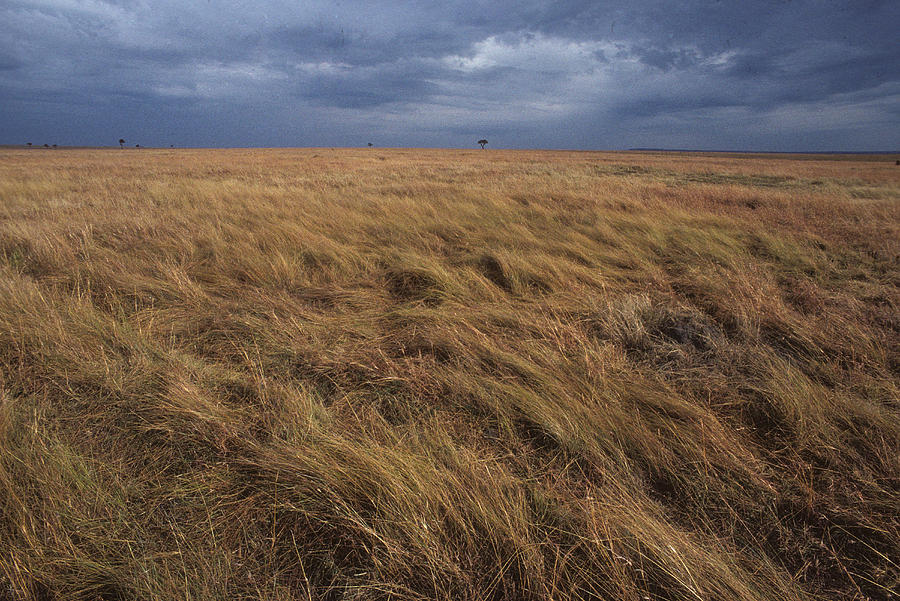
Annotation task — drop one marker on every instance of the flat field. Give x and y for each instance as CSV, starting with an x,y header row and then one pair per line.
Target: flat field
x,y
434,374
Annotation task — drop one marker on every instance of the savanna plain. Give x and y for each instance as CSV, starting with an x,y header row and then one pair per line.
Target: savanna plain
x,y
446,374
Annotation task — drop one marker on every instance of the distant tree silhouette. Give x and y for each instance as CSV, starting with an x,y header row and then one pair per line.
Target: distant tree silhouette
x,y
171,146
482,142
121,143
28,144
370,145
46,146
54,146
137,145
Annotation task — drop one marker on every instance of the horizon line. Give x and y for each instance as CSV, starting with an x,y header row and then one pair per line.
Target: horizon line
x,y
636,149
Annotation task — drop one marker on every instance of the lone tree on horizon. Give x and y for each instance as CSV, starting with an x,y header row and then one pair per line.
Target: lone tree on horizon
x,y
28,144
482,142
121,143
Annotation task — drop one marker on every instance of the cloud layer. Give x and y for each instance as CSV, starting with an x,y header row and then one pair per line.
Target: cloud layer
x,y
766,75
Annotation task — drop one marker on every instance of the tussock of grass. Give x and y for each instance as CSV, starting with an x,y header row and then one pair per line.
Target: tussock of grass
x,y
293,374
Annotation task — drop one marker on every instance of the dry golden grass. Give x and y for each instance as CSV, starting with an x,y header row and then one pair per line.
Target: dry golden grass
x,y
419,374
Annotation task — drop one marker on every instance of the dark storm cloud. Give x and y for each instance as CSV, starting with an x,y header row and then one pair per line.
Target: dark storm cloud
x,y
774,74
666,58
363,88
360,48
9,62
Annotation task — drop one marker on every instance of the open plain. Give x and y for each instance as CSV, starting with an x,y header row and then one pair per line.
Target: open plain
x,y
447,374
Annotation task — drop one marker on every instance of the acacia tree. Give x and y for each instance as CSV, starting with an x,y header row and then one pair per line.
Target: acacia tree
x,y
28,144
482,142
121,143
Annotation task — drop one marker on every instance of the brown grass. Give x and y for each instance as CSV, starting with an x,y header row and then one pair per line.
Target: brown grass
x,y
417,374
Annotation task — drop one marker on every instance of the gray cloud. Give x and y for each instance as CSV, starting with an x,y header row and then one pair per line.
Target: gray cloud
x,y
772,74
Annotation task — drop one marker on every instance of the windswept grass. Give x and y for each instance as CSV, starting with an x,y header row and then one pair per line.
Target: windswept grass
x,y
385,374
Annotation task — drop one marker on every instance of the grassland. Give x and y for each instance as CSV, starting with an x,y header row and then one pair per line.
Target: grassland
x,y
386,374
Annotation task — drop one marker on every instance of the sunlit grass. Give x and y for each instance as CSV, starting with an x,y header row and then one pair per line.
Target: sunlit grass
x,y
386,374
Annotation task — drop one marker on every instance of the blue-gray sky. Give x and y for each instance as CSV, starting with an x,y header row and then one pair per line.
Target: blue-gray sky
x,y
781,75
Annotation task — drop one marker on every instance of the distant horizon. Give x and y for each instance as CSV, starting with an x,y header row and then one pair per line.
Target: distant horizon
x,y
474,147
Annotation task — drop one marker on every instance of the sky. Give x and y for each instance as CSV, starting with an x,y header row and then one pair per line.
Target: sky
x,y
770,75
